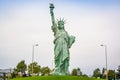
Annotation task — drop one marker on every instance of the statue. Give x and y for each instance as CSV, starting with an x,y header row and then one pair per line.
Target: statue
x,y
62,43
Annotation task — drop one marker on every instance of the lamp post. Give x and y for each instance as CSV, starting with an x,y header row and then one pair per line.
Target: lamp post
x,y
33,55
105,46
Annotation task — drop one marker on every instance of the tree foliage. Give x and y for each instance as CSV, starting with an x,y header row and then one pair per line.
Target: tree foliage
x,y
79,72
118,69
36,68
118,73
111,74
103,75
74,72
45,71
96,73
21,66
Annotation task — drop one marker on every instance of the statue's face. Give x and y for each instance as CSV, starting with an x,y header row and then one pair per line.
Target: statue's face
x,y
61,25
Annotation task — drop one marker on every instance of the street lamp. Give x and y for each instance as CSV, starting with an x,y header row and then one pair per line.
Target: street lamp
x,y
106,60
33,55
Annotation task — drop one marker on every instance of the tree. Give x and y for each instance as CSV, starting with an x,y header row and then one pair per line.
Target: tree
x,y
97,73
21,66
118,69
103,73
45,71
74,72
111,74
36,68
118,73
79,72
85,75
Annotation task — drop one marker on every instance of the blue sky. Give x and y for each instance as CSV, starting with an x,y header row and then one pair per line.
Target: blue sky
x,y
93,22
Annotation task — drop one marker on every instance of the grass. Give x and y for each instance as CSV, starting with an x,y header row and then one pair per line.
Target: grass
x,y
56,78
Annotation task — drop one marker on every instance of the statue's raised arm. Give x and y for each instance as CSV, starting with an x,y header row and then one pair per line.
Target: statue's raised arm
x,y
54,25
52,13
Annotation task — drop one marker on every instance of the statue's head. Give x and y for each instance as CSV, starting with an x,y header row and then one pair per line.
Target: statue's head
x,y
61,24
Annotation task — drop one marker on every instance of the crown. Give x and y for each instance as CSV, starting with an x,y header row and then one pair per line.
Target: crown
x,y
61,21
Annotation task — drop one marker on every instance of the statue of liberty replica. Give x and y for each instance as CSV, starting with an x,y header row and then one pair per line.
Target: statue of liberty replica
x,y
62,43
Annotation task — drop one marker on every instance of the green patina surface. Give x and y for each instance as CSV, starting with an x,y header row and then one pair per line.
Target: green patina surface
x,y
62,43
